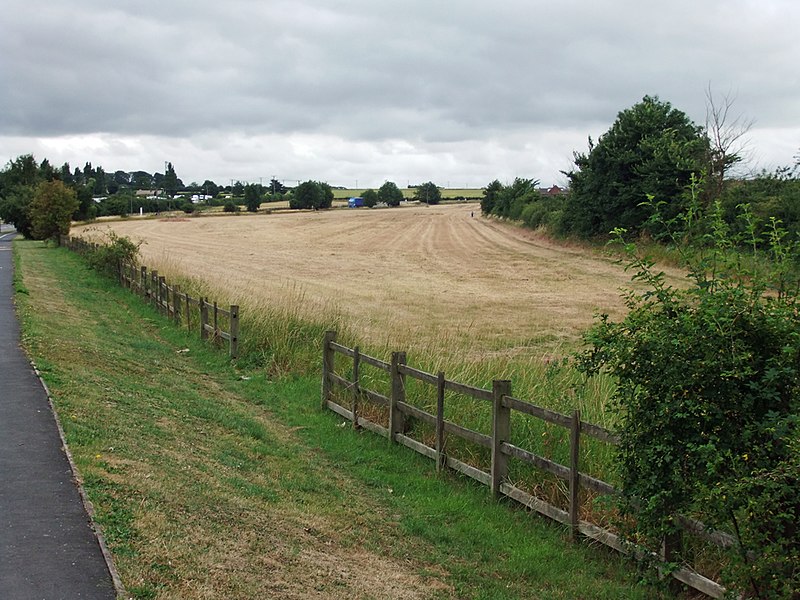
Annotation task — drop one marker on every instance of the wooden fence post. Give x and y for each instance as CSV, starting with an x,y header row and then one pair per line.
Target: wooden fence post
x,y
154,287
574,473
188,313
440,456
143,278
356,386
327,366
203,319
163,295
234,331
398,394
501,428
176,304
216,323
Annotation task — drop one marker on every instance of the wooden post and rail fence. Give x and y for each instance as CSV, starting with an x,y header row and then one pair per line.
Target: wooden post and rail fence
x,y
200,313
498,443
208,318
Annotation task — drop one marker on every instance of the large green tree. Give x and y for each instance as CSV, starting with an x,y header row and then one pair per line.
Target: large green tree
x,y
252,196
141,180
652,149
390,194
21,171
15,208
210,188
370,198
276,187
51,210
170,181
428,193
312,194
17,182
512,199
490,194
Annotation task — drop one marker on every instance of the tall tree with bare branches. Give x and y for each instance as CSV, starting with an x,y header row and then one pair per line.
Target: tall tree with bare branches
x,y
727,140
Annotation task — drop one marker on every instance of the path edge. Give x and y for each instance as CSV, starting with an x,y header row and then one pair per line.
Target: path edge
x,y
97,530
87,504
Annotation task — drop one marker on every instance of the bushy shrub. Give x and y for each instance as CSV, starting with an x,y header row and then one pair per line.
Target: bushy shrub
x,y
114,252
709,401
230,206
370,198
51,210
534,215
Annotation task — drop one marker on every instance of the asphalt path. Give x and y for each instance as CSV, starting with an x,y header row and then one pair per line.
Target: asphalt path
x,y
48,549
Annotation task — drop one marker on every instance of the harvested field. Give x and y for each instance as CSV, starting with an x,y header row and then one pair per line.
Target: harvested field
x,y
424,274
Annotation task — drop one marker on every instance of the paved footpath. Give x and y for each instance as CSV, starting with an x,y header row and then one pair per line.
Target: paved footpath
x,y
48,550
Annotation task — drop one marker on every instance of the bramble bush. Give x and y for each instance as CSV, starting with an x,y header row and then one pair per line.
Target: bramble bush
x,y
113,253
709,396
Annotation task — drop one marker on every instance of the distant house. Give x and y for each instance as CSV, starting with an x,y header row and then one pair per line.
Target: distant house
x,y
552,191
149,194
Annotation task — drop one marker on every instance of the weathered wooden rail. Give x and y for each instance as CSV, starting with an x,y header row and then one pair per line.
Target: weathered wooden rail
x,y
215,324
498,442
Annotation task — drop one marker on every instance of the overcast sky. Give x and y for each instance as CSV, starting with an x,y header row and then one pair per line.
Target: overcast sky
x,y
358,92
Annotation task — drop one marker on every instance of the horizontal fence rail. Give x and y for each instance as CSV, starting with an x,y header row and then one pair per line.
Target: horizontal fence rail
x,y
196,313
498,442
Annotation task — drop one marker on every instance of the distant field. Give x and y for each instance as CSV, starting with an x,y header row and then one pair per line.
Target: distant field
x,y
440,276
447,193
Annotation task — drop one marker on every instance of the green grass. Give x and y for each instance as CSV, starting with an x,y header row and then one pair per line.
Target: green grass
x,y
212,481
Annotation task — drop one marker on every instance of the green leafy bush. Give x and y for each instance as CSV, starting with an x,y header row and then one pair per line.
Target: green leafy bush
x,y
370,198
709,398
113,253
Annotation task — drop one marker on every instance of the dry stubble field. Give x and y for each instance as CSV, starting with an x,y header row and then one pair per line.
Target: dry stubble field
x,y
440,276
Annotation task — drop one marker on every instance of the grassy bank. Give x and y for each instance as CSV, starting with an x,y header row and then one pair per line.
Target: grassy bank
x,y
215,482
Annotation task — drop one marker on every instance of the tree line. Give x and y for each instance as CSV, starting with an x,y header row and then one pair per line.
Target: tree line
x,y
99,193
653,154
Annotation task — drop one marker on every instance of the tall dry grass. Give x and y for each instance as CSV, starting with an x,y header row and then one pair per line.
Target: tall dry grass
x,y
284,336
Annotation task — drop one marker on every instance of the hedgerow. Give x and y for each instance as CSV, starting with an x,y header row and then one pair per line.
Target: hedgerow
x,y
709,396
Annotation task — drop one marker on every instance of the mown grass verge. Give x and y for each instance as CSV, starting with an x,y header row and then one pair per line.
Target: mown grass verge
x,y
210,481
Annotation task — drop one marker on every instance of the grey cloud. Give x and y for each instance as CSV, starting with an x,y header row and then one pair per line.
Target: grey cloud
x,y
427,72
